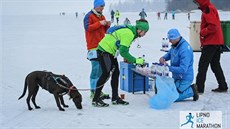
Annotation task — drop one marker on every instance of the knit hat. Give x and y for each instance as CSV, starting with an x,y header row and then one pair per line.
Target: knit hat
x,y
173,34
98,3
142,25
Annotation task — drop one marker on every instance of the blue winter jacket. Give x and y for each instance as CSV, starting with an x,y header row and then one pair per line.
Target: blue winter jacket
x,y
181,60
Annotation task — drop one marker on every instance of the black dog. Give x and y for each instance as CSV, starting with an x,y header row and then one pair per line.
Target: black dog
x,y
58,85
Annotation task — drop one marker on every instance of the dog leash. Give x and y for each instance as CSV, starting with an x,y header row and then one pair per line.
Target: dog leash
x,y
87,89
81,89
72,87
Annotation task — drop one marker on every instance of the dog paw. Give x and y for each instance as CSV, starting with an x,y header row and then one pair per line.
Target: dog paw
x,y
30,109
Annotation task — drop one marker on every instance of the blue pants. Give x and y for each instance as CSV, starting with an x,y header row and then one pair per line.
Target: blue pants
x,y
184,88
95,74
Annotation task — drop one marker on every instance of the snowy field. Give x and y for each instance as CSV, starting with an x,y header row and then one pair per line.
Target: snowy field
x,y
57,43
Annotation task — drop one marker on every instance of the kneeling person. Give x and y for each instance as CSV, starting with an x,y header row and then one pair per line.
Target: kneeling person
x,y
181,60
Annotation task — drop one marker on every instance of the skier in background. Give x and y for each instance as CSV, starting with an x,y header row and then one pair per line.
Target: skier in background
x,y
188,16
173,14
112,15
117,15
142,14
158,15
166,16
76,14
127,21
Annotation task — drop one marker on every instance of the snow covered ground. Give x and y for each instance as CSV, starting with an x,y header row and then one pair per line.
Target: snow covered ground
x,y
57,43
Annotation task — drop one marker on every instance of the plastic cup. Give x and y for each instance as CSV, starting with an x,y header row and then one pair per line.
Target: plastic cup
x,y
122,96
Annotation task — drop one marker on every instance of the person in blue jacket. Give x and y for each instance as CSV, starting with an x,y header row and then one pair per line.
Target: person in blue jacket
x,y
181,65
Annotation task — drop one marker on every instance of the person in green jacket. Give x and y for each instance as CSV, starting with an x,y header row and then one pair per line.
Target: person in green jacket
x,y
117,15
112,45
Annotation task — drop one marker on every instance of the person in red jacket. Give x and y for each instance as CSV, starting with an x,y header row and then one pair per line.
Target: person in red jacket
x,y
95,26
211,39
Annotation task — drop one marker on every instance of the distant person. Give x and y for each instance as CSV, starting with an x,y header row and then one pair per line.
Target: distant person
x,y
166,16
158,15
173,14
211,39
63,13
117,15
127,21
76,14
95,26
112,16
119,39
142,14
188,16
181,65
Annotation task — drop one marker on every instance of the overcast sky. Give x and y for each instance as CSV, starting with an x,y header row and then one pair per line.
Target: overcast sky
x,y
48,6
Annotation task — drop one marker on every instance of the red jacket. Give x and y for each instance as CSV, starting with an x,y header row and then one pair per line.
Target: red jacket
x,y
94,31
210,29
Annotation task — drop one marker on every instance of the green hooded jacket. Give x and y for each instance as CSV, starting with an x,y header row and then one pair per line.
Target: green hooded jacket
x,y
126,37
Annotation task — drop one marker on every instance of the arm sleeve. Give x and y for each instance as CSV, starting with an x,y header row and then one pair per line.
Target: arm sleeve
x,y
91,26
167,56
124,52
211,20
183,65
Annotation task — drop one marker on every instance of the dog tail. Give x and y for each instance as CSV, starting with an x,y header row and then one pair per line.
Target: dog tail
x,y
25,88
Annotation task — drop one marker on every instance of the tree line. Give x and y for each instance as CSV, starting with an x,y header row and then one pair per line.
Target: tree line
x,y
169,5
188,5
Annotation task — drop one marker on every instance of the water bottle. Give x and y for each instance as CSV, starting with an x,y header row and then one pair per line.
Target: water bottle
x,y
166,43
166,70
151,84
154,69
138,68
151,68
159,69
163,43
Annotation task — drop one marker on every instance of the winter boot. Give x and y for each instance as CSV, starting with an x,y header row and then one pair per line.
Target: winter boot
x,y
91,94
119,101
195,91
104,96
219,90
99,103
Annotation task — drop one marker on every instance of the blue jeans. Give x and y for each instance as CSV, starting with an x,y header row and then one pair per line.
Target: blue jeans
x,y
184,88
95,74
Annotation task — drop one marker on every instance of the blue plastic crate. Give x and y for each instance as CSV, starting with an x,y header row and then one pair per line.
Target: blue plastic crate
x,y
128,79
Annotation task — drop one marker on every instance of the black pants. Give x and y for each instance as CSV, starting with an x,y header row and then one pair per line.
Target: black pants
x,y
117,20
108,63
210,55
